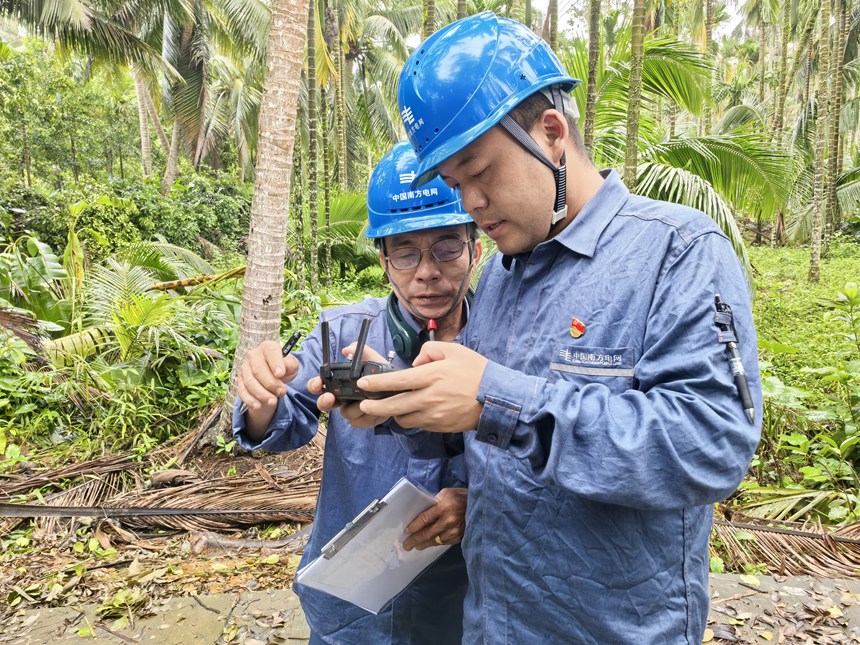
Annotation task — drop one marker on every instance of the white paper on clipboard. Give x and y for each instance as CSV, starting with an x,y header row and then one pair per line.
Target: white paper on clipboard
x,y
365,564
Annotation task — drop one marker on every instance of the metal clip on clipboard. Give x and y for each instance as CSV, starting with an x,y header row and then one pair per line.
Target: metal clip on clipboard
x,y
351,529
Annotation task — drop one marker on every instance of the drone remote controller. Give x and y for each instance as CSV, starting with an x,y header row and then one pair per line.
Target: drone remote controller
x,y
340,378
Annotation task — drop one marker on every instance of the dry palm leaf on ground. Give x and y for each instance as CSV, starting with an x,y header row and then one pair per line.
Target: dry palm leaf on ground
x,y
288,492
247,492
789,548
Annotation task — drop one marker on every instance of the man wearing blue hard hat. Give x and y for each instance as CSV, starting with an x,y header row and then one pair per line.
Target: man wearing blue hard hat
x,y
601,416
429,249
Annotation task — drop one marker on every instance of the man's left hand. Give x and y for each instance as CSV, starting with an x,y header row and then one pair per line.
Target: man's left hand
x,y
445,520
444,387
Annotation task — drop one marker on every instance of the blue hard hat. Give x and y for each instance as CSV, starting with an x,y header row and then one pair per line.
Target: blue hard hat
x,y
466,77
394,207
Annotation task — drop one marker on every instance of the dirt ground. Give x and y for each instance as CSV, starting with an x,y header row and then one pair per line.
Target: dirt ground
x,y
744,609
89,581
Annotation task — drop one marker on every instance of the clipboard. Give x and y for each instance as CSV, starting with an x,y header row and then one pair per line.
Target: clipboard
x,y
365,563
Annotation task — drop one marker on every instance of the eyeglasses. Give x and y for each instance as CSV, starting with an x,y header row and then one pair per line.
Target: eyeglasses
x,y
409,257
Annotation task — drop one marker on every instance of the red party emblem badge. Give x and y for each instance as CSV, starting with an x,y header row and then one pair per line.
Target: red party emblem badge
x,y
577,328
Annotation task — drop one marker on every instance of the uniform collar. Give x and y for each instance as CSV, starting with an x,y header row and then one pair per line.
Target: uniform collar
x,y
583,233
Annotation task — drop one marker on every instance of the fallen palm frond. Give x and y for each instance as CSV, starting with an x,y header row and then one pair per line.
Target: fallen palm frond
x,y
97,487
790,548
118,482
23,325
248,492
784,504
95,467
209,278
128,462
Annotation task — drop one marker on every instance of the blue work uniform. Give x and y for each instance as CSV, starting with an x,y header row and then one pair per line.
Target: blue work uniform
x,y
360,465
610,426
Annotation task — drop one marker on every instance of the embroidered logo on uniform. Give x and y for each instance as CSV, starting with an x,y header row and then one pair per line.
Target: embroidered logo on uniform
x,y
593,361
577,327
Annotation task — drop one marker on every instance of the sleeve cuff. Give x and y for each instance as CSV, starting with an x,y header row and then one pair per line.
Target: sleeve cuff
x,y
268,440
501,393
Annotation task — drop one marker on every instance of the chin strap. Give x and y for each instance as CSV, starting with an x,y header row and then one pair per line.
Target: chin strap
x,y
559,211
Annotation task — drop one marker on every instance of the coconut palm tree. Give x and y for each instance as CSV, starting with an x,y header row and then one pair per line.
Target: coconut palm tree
x,y
736,170
312,91
822,99
593,55
85,27
634,92
264,278
190,35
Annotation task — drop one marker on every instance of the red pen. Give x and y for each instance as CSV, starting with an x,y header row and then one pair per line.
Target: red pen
x,y
431,328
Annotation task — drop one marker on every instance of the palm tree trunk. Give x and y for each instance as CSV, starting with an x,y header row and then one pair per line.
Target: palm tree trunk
x,y
846,31
25,154
262,294
593,54
637,48
298,189
782,79
553,24
143,120
709,26
461,9
312,146
819,197
172,169
340,110
153,115
74,152
326,156
837,61
429,18
368,153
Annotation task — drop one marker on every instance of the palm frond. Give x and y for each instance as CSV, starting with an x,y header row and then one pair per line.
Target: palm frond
x,y
78,26
739,117
744,168
112,285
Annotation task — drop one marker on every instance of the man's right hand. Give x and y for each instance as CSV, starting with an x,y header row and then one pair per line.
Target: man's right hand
x,y
263,377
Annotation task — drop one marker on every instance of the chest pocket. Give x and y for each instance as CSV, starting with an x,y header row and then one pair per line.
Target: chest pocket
x,y
609,366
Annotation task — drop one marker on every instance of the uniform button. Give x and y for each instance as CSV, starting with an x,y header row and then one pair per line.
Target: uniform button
x,y
492,438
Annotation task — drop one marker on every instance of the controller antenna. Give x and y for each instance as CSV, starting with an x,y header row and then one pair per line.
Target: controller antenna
x,y
325,368
355,368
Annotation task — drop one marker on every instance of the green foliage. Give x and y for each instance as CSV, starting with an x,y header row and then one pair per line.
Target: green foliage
x,y
59,124
808,460
131,365
787,310
205,213
30,278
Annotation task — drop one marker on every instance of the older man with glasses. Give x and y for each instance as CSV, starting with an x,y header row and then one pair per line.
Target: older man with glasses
x,y
429,248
